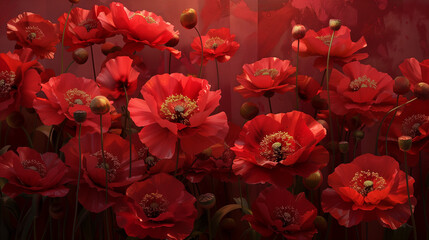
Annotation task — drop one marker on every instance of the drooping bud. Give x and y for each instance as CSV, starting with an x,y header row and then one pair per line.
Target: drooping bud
x,y
107,47
298,31
207,200
405,143
421,91
324,124
249,110
80,55
80,116
335,24
228,224
401,86
100,105
15,120
343,146
313,181
320,223
359,134
173,41
189,18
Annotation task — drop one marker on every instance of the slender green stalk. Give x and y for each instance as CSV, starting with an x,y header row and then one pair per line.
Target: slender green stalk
x,y
177,157
30,142
217,75
384,118
202,53
78,182
169,63
390,124
71,63
413,221
269,104
296,80
355,148
93,63
102,155
62,39
128,130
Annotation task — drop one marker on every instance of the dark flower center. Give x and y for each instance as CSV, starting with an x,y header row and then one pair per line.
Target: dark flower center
x,y
214,42
365,182
362,82
150,161
411,125
89,24
277,146
272,72
76,96
36,166
154,204
287,214
110,164
178,109
7,83
34,32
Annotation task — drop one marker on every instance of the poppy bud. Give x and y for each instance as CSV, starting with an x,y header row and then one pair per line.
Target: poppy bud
x,y
343,146
207,152
249,110
74,1
100,105
107,47
298,31
173,41
79,116
421,91
356,121
405,143
80,55
324,124
320,223
332,145
189,18
359,134
207,200
15,120
335,24
313,181
319,103
401,86
228,224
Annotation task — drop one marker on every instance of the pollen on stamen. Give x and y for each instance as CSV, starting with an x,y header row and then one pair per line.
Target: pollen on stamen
x,y
367,181
277,146
110,164
213,42
272,72
36,166
410,125
154,204
7,81
178,108
362,82
76,96
34,32
287,214
89,24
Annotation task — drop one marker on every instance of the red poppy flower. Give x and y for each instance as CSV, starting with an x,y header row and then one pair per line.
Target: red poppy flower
x,y
93,182
266,75
117,75
218,44
33,31
343,50
361,90
66,94
18,85
415,71
178,107
308,87
276,211
33,173
414,122
83,27
367,189
139,28
275,147
158,207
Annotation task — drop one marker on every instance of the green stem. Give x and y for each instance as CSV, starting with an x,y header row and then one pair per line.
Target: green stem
x,y
93,63
62,39
355,148
102,155
30,142
269,104
71,63
329,100
296,80
177,157
78,183
385,116
202,53
57,142
128,130
169,64
217,74
409,198
390,124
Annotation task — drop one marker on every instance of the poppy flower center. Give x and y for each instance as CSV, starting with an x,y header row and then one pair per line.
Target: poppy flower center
x,y
7,83
178,109
214,42
36,166
277,146
326,39
411,125
34,32
76,96
111,164
154,204
148,19
362,82
89,24
272,72
365,182
287,214
150,161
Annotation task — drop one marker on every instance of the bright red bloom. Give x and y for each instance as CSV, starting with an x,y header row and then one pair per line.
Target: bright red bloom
x,y
361,90
367,189
158,207
117,75
415,71
92,193
343,50
18,85
178,107
276,211
414,122
33,31
139,28
266,75
32,173
66,94
218,44
275,147
83,27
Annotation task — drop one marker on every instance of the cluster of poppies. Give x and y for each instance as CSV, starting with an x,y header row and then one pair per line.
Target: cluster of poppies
x,y
140,147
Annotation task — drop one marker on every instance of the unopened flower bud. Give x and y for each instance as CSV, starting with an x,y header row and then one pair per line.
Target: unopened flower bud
x,y
173,41
79,116
107,47
359,134
207,200
80,55
298,31
405,143
15,120
343,146
356,121
228,224
324,124
249,110
421,91
100,105
320,223
189,18
332,146
335,24
313,181
401,86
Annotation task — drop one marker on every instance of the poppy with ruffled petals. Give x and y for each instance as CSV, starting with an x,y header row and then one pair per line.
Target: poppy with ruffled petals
x,y
33,173
178,107
83,27
33,31
158,207
267,75
276,212
117,155
415,71
273,148
218,44
66,94
367,189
